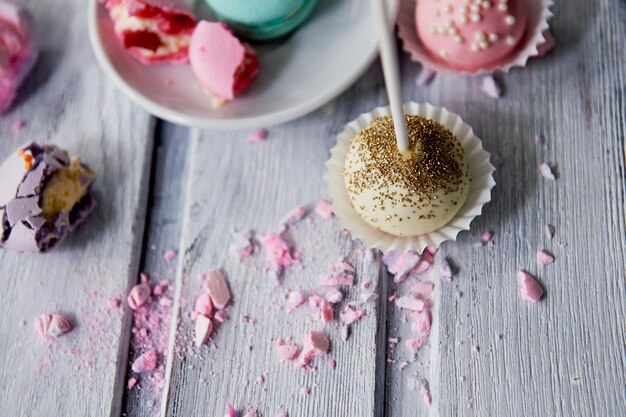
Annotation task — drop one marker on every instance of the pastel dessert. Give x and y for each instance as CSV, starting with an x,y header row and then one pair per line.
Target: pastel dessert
x,y
262,20
222,64
470,35
17,51
153,31
411,193
44,195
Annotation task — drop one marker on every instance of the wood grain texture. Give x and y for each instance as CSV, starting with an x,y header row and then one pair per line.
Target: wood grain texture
x,y
499,355
235,185
68,100
163,224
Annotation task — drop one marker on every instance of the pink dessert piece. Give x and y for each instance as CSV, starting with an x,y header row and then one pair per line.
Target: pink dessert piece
x,y
295,299
530,289
473,36
153,31
544,258
146,362
243,245
169,255
337,280
316,343
217,287
287,352
326,312
138,296
350,316
221,63
52,325
202,330
423,322
17,51
333,296
279,251
414,344
294,216
204,305
258,136
324,209
410,303
131,383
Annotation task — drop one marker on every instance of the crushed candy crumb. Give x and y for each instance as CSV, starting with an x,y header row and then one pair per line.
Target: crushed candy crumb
x,y
146,362
544,258
52,325
258,136
324,209
530,289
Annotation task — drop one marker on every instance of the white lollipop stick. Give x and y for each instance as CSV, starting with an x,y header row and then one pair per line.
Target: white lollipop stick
x,y
389,58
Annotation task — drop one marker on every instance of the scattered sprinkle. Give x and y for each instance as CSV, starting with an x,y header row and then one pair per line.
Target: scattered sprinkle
x,y
316,343
486,237
131,383
549,231
202,330
332,363
349,316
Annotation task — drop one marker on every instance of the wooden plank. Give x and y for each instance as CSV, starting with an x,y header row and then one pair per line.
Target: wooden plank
x,y
496,354
68,100
164,224
235,185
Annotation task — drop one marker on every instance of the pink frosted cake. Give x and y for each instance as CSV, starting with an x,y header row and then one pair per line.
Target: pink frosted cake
x,y
470,35
153,30
17,52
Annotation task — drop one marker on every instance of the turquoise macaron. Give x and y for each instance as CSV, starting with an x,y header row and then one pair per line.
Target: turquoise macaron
x,y
262,19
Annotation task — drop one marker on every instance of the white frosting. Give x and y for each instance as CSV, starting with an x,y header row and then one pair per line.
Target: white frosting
x,y
406,218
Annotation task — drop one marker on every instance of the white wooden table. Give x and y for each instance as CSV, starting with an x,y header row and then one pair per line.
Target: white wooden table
x,y
162,186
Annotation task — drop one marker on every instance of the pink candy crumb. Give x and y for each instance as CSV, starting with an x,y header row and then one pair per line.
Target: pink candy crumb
x,y
296,298
169,255
332,363
17,126
530,289
413,344
131,383
217,287
258,136
324,209
316,343
544,258
145,362
138,296
287,352
203,329
52,325
349,316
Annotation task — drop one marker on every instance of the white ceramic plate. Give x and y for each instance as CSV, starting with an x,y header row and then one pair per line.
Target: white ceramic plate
x,y
298,74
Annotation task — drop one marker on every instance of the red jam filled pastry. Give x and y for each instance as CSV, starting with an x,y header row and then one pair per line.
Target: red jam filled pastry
x,y
153,30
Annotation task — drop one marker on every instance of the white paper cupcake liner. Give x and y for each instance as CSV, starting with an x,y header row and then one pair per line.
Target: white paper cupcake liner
x,y
481,172
536,40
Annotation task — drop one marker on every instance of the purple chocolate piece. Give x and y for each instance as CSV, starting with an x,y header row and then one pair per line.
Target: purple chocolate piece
x,y
23,226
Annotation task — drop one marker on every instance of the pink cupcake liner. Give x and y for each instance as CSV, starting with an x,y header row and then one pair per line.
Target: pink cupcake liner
x,y
537,41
